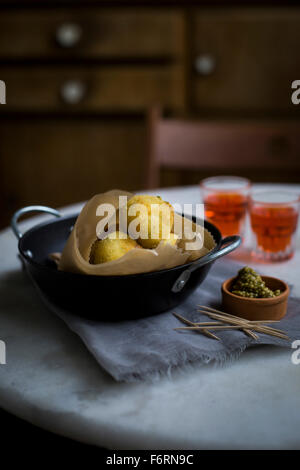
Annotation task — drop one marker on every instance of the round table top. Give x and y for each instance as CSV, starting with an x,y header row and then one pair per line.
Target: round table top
x,y
51,380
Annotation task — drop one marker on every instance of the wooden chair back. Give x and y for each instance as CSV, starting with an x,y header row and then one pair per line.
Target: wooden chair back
x,y
183,144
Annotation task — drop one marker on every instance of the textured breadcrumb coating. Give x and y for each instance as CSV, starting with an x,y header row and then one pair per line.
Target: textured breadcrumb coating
x,y
162,221
111,248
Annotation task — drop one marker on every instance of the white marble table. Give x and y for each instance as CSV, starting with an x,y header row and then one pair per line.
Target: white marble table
x,y
51,380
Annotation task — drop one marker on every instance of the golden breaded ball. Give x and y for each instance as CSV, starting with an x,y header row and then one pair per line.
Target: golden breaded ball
x,y
164,219
111,248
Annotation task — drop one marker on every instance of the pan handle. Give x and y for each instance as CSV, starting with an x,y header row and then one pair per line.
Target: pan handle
x,y
26,210
231,243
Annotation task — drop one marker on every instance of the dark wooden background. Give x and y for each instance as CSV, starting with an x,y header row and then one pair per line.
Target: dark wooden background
x,y
129,56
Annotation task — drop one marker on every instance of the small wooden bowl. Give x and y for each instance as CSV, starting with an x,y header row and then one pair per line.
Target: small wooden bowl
x,y
273,308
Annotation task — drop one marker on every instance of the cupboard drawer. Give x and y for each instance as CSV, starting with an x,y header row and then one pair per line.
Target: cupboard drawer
x,y
57,162
94,89
90,33
245,59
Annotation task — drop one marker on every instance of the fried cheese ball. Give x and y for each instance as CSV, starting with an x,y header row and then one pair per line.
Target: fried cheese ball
x,y
111,248
161,216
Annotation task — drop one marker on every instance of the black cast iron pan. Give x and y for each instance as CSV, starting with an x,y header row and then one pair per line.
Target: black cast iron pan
x,y
108,298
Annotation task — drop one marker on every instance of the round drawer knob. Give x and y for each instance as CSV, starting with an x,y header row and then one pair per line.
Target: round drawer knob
x,y
68,34
73,91
205,64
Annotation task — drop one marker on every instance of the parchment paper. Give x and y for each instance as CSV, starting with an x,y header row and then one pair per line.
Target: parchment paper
x,y
75,256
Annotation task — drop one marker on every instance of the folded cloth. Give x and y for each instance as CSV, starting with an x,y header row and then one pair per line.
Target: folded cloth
x,y
141,349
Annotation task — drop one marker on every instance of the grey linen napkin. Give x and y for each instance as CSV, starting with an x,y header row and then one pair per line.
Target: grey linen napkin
x,y
141,349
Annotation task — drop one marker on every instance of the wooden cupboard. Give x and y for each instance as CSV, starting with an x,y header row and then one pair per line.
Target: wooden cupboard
x,y
80,77
253,61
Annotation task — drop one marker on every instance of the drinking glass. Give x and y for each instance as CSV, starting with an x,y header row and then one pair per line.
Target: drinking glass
x,y
274,219
225,203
